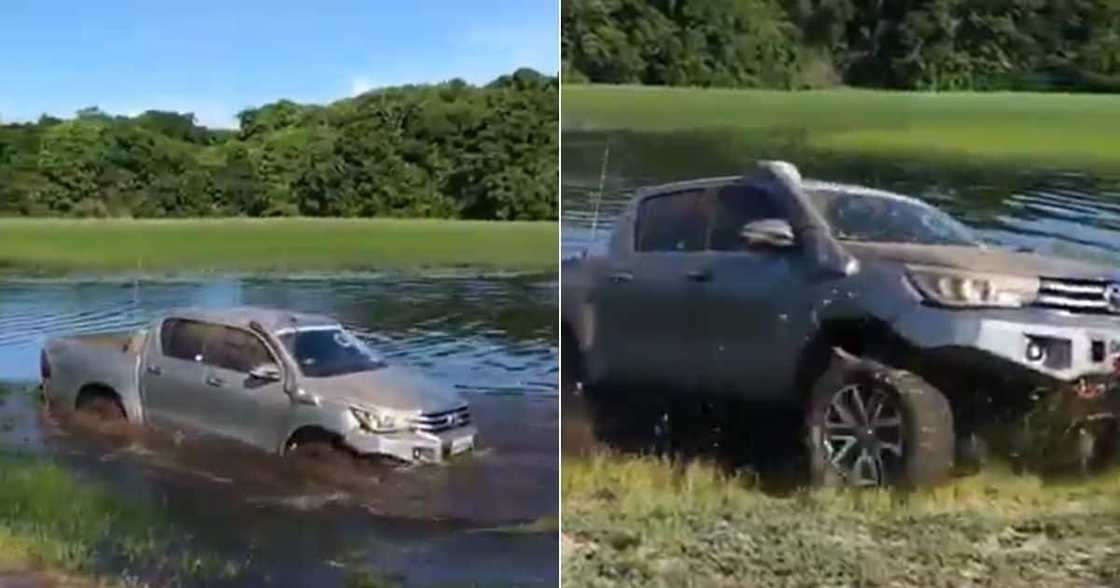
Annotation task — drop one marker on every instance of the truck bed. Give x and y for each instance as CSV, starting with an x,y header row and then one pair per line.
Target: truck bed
x,y
122,341
107,360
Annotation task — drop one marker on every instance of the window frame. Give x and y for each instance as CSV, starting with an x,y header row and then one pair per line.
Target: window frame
x,y
708,191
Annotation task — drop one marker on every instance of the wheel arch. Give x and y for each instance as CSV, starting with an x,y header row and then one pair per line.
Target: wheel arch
x,y
100,389
309,432
864,336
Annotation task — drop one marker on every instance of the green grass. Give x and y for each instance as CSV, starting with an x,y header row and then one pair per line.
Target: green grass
x,y
55,246
52,520
643,521
62,526
1023,129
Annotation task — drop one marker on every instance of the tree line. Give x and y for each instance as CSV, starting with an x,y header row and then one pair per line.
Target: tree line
x,y
450,150
1066,45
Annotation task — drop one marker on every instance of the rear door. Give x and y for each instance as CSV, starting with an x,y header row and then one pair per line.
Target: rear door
x,y
173,371
650,306
234,403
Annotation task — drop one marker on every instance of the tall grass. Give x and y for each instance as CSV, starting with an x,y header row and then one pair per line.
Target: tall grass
x,y
51,246
642,520
1025,129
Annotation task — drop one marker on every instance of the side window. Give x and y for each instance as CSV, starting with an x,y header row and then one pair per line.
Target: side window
x,y
673,222
235,349
181,339
737,205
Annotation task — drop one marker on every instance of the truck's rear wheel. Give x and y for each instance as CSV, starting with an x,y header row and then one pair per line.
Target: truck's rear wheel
x,y
870,425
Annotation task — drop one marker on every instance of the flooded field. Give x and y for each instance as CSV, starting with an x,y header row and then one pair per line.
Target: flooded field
x,y
488,519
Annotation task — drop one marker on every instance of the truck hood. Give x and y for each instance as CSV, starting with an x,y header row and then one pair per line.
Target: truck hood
x,y
391,387
981,259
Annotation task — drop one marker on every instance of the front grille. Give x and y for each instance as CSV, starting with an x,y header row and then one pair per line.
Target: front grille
x,y
1081,296
435,422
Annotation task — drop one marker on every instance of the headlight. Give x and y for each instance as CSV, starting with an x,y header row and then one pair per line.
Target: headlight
x,y
376,421
971,289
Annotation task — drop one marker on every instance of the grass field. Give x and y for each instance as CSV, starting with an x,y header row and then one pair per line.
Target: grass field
x,y
53,246
642,521
1024,129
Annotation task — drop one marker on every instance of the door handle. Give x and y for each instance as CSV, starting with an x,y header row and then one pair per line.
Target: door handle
x,y
215,381
155,370
620,277
699,275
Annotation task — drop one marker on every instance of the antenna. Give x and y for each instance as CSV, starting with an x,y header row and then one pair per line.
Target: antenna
x,y
599,196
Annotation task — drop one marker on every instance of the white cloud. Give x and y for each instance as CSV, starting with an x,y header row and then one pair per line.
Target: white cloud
x,y
360,85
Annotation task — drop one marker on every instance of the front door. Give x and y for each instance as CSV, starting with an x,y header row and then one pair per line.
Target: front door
x,y
235,404
754,300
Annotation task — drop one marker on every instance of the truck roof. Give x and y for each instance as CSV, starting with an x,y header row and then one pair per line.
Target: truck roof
x,y
806,183
272,319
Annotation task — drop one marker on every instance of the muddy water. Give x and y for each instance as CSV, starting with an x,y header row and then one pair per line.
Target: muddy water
x,y
484,520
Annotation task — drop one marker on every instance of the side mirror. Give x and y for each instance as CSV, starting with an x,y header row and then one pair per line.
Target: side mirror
x,y
768,233
268,372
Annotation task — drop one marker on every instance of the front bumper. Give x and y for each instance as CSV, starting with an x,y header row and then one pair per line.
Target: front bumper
x,y
413,446
1073,346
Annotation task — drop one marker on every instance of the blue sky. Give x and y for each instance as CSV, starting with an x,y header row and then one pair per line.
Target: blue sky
x,y
215,58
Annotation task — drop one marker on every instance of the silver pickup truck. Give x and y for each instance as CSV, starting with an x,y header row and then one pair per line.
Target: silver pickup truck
x,y
897,338
285,382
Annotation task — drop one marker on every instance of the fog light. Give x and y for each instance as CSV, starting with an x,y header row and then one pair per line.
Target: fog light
x,y
1035,351
423,454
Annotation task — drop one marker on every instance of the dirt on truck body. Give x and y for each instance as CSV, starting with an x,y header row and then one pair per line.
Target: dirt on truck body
x,y
903,343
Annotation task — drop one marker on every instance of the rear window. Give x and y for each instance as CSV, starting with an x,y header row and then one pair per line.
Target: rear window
x,y
183,339
673,222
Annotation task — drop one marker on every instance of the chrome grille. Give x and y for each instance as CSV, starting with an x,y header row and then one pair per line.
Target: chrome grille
x,y
435,422
1084,296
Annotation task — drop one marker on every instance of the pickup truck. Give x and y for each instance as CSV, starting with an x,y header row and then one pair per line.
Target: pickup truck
x,y
285,382
898,337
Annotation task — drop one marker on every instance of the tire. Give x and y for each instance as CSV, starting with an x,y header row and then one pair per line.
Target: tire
x,y
913,444
102,406
569,365
319,451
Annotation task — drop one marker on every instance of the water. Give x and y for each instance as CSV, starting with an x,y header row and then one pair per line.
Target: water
x,y
476,521
1064,213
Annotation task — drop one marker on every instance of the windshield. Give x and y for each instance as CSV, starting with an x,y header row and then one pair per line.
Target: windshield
x,y
327,352
882,219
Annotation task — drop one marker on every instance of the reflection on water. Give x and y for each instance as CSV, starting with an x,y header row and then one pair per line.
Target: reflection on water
x,y
494,339
1060,213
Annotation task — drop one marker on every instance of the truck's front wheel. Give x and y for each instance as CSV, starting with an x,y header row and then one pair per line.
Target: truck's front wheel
x,y
870,425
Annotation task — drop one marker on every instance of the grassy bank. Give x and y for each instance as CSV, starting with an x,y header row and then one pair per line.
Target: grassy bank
x,y
640,521
54,523
1026,129
53,246
60,528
